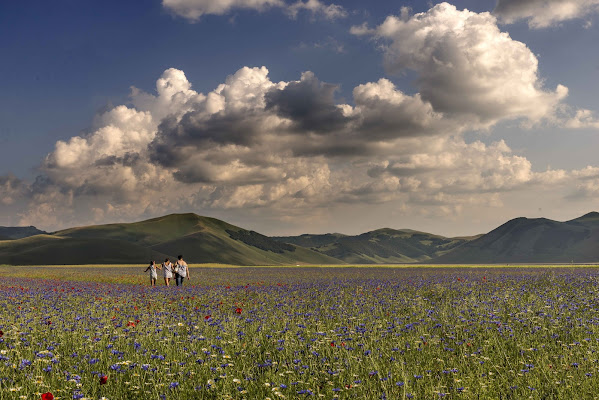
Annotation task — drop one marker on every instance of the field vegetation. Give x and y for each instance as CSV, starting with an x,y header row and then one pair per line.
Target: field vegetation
x,y
255,333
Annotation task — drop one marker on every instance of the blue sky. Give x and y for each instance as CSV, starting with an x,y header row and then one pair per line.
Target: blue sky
x,y
67,64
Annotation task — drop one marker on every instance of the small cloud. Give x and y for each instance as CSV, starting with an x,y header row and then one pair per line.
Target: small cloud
x,y
193,10
330,12
362,30
329,44
545,13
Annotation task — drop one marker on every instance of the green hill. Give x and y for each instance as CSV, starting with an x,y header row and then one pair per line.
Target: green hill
x,y
538,240
209,240
199,239
55,250
18,232
382,246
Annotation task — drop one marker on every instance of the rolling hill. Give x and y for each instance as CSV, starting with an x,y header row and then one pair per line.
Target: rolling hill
x,y
209,240
199,239
18,232
538,240
382,246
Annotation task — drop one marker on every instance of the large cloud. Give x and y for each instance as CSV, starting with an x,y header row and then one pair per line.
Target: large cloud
x,y
289,148
292,149
544,13
193,10
466,67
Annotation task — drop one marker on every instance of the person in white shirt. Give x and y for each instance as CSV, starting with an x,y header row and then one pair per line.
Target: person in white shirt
x,y
181,271
167,267
153,274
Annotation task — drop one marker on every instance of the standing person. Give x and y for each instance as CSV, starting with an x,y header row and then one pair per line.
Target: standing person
x,y
168,271
153,274
182,271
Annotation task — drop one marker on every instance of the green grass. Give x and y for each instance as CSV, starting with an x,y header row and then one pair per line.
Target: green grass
x,y
346,333
134,273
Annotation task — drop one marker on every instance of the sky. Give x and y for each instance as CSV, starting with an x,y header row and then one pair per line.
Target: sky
x,y
299,116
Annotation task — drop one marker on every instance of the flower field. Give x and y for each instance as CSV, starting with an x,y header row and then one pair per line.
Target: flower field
x,y
258,333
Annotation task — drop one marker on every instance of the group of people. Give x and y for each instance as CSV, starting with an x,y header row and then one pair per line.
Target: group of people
x,y
179,270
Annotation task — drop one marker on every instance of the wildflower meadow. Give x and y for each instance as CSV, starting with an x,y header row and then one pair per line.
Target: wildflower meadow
x,y
300,333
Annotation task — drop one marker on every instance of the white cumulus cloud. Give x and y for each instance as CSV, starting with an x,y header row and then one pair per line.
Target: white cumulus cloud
x,y
466,67
280,149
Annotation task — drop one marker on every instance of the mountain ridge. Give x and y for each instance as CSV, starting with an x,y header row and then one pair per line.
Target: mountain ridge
x,y
210,240
534,240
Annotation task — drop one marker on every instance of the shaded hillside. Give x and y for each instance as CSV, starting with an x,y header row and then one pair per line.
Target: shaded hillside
x,y
18,232
383,246
538,240
54,250
199,239
308,240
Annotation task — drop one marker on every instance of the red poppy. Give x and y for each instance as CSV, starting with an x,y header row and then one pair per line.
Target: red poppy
x,y
47,396
208,317
238,310
1,333
103,379
131,323
332,344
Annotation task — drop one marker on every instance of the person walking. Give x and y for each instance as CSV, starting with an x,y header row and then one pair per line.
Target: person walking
x,y
181,271
167,267
153,274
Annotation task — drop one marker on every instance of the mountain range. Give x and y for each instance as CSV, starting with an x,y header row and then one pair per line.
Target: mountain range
x,y
209,240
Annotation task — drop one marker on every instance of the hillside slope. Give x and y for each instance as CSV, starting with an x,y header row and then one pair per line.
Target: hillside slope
x,y
538,240
382,246
199,239
54,250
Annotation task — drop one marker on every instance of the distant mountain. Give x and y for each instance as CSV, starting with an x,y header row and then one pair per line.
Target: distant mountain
x,y
199,239
382,246
538,240
18,232
209,240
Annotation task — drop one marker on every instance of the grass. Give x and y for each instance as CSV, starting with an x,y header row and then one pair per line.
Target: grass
x,y
134,274
300,332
